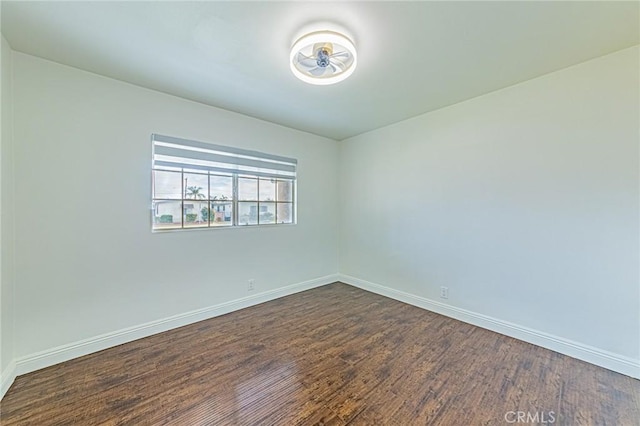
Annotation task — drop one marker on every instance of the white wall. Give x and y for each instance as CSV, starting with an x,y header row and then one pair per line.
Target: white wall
x,y
523,202
82,139
6,221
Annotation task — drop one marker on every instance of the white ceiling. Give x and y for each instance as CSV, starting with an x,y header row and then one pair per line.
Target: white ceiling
x,y
413,57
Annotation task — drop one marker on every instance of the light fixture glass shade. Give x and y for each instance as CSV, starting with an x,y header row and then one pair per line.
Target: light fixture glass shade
x,y
323,57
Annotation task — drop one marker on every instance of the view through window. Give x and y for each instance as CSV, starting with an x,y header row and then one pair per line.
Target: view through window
x,y
201,185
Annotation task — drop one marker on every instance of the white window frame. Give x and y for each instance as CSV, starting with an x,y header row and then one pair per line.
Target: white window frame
x,y
184,156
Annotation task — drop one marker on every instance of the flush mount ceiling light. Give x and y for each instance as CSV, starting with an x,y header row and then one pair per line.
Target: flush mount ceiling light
x,y
323,57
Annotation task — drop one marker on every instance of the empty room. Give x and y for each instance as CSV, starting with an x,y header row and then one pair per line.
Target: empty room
x,y
320,213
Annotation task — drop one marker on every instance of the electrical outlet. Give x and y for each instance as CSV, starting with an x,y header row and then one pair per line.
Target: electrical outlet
x,y
252,285
444,292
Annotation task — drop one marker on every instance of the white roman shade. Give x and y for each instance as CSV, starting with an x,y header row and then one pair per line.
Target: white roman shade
x,y
177,153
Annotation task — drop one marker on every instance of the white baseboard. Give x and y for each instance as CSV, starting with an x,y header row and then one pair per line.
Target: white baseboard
x,y
602,358
67,352
7,378
63,353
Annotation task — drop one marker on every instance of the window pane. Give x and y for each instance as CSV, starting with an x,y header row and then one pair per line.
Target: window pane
x,y
284,213
167,185
167,214
267,190
196,186
247,189
285,190
267,213
247,213
193,217
221,213
221,187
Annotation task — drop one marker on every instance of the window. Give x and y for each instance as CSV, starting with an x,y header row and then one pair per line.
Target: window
x,y
201,185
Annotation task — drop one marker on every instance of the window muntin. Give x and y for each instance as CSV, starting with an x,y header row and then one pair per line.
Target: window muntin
x,y
200,185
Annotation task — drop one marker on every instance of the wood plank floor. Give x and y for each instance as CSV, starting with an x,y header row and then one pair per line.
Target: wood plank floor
x,y
334,355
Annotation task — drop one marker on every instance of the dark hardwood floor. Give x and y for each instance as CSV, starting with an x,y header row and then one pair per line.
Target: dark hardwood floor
x,y
334,355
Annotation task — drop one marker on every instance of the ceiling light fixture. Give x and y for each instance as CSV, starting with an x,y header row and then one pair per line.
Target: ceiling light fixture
x,y
323,57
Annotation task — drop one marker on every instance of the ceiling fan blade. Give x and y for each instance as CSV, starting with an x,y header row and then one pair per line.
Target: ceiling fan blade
x,y
317,71
329,71
306,61
338,65
344,54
